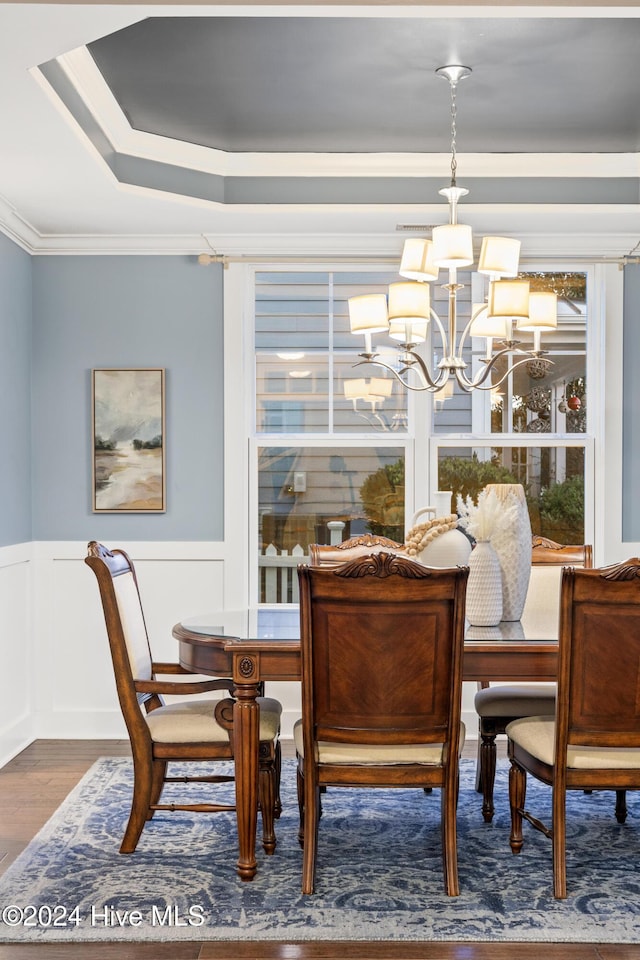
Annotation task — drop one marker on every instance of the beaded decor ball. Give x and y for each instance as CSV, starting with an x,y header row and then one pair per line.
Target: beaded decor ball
x,y
424,533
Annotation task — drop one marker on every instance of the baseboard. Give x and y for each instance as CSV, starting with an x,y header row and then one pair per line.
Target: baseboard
x,y
80,725
14,739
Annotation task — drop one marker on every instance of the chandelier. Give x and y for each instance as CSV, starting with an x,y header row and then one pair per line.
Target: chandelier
x,y
405,313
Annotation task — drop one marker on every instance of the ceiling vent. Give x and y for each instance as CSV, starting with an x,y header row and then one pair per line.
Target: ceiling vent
x,y
415,227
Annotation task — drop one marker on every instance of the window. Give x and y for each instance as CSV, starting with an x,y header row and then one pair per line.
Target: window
x,y
340,449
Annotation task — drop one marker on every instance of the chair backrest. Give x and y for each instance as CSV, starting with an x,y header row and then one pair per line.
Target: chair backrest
x,y
382,641
599,659
548,552
358,546
547,560
126,628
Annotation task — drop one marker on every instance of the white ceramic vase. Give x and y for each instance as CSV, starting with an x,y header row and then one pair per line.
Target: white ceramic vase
x,y
513,546
450,549
484,586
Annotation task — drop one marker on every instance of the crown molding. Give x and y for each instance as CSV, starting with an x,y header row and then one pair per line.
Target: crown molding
x,y
595,247
17,228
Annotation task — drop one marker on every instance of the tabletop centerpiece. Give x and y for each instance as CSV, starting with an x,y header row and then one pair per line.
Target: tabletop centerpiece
x,y
483,521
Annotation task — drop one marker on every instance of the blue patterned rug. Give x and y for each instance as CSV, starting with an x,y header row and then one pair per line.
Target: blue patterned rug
x,y
379,873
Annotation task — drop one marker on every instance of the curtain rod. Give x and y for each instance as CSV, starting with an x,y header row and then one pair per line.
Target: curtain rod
x,y
204,259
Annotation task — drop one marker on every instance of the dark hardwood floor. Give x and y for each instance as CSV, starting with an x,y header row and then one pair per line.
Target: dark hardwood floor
x,y
34,784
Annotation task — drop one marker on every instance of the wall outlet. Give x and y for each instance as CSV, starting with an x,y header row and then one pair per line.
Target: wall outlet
x,y
299,481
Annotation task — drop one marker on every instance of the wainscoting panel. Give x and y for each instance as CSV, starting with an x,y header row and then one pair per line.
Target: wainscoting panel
x,y
56,679
16,694
76,691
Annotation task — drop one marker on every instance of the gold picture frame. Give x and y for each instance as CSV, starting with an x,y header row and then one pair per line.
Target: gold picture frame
x,y
128,440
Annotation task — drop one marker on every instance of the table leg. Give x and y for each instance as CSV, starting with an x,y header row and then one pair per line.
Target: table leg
x,y
246,745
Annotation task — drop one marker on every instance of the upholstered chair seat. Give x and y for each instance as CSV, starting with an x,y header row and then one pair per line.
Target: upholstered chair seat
x,y
378,753
194,722
537,736
516,700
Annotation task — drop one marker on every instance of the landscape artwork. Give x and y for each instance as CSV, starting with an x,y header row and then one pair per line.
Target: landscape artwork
x,y
128,441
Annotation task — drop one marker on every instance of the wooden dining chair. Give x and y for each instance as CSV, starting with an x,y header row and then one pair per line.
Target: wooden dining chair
x,y
321,554
593,742
192,729
381,648
498,705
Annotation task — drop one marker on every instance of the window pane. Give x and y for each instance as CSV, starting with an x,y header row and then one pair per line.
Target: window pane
x,y
292,392
549,397
307,380
370,400
539,397
552,477
292,352
302,489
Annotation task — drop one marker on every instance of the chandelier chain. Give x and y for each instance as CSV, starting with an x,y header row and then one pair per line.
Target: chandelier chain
x,y
454,133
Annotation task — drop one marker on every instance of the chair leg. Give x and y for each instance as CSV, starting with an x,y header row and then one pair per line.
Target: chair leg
x,y
300,789
449,800
479,763
311,803
144,777
487,773
621,806
559,842
267,789
277,808
159,774
517,797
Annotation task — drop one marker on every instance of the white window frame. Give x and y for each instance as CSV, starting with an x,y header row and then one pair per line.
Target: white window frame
x,y
241,443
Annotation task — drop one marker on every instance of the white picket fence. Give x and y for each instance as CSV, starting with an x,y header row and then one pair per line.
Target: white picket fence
x,y
278,574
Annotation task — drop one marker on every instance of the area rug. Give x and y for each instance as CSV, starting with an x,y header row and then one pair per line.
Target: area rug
x,y
379,873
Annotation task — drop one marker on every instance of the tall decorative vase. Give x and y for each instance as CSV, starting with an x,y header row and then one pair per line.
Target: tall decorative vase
x,y
484,586
513,546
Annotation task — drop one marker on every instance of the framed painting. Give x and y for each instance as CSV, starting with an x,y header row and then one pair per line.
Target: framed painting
x,y
128,439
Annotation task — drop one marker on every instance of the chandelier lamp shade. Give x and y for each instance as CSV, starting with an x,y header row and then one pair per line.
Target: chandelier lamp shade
x,y
405,314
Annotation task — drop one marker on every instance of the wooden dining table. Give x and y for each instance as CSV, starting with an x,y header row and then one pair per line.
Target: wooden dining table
x,y
254,646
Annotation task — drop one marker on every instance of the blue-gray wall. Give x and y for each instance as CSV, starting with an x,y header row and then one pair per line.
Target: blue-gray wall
x,y
15,393
118,311
631,405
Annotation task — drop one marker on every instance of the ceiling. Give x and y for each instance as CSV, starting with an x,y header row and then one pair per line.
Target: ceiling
x,y
305,129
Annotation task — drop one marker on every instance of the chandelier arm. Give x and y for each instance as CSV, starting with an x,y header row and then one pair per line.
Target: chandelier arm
x,y
476,383
383,425
374,416
443,335
430,386
433,385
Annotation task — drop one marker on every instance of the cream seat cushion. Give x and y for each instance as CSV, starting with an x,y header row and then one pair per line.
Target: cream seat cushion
x,y
536,735
194,722
329,752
